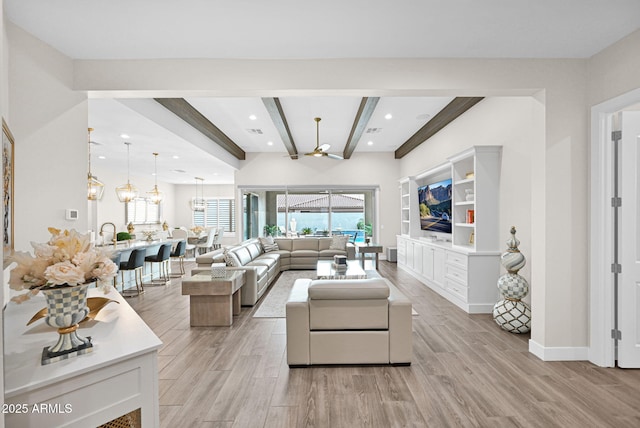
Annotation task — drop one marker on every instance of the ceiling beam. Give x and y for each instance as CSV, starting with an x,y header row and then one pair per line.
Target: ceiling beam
x,y
447,115
366,109
280,121
185,111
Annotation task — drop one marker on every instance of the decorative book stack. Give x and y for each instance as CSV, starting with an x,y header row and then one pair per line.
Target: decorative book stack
x,y
340,262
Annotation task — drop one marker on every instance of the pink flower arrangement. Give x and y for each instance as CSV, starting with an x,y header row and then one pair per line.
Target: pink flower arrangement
x,y
68,259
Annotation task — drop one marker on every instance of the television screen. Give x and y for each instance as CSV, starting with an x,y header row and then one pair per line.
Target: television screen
x,y
434,201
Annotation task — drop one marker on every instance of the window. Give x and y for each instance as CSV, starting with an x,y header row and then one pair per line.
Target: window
x,y
220,213
142,211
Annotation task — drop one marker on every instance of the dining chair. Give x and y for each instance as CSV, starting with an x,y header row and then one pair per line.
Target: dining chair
x,y
206,246
217,242
183,234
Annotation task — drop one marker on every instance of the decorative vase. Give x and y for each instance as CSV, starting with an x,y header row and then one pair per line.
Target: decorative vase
x,y
66,307
511,313
130,228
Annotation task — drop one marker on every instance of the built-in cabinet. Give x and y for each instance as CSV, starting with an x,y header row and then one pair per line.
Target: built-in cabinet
x,y
463,266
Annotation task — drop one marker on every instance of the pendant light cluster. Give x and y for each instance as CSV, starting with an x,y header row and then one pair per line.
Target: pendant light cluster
x,y
127,192
198,203
95,187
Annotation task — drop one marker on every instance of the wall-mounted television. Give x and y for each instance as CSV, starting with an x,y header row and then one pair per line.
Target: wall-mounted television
x,y
434,202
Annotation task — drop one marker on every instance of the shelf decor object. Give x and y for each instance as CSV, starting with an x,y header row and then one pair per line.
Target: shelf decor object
x,y
511,313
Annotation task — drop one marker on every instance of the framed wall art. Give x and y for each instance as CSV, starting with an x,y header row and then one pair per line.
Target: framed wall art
x,y
7,188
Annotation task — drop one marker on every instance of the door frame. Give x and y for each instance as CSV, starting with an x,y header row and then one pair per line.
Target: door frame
x,y
601,345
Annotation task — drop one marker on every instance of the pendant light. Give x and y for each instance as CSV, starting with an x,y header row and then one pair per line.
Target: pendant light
x,y
127,192
198,204
155,195
95,188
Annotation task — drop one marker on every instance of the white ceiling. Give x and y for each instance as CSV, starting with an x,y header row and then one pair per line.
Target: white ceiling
x,y
125,29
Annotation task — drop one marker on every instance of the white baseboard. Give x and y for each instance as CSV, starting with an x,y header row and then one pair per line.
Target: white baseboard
x,y
578,353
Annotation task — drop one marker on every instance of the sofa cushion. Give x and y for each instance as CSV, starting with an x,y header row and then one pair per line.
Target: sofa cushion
x,y
328,254
263,261
326,289
268,244
231,259
243,254
339,242
284,243
254,249
305,254
304,244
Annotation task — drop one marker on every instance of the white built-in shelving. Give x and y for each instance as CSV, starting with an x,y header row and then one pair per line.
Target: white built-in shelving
x,y
463,266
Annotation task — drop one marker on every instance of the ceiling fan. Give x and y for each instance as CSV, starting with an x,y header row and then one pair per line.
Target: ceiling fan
x,y
320,150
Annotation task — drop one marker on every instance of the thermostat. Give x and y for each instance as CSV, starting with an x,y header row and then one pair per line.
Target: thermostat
x,y
71,214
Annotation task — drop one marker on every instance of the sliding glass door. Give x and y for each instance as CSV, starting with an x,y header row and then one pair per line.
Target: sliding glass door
x,y
300,212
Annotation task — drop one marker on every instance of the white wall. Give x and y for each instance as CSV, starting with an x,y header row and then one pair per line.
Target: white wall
x,y
48,121
363,169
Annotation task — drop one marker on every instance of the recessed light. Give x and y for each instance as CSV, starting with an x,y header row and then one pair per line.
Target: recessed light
x,y
125,136
424,116
253,117
388,116
370,143
102,157
269,143
175,157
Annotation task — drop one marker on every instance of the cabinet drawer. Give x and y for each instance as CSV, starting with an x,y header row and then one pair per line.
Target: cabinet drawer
x,y
457,289
457,259
456,273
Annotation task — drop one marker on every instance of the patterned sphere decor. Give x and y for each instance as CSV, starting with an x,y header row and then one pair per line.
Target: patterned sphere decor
x,y
510,313
513,286
513,316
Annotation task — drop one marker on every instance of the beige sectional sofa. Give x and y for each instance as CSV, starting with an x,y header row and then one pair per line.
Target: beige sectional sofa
x,y
263,267
360,321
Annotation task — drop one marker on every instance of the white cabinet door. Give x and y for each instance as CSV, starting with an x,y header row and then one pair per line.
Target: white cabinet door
x,y
417,257
427,262
410,247
438,266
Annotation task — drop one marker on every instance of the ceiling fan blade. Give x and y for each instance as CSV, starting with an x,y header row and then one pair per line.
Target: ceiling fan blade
x,y
332,156
324,147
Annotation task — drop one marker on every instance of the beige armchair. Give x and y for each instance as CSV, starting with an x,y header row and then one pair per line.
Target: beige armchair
x,y
362,321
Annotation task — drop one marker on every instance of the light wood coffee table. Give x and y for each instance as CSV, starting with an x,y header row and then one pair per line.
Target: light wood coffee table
x,y
326,270
213,301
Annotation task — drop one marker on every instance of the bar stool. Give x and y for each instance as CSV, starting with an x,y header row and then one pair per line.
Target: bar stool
x,y
178,253
135,263
164,253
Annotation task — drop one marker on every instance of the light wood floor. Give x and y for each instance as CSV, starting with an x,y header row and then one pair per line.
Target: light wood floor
x,y
466,372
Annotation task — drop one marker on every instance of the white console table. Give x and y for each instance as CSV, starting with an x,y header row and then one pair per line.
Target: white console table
x,y
119,376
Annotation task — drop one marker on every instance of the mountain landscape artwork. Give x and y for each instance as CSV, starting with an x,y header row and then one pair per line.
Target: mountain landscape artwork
x,y
434,201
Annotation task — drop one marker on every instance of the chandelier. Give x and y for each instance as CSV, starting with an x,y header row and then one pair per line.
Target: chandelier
x,y
95,188
127,192
198,203
155,195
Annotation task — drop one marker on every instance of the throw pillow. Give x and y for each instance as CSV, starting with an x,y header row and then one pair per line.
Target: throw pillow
x,y
268,244
339,242
230,259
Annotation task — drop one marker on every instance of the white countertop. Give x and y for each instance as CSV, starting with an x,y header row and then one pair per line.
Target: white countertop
x,y
117,334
